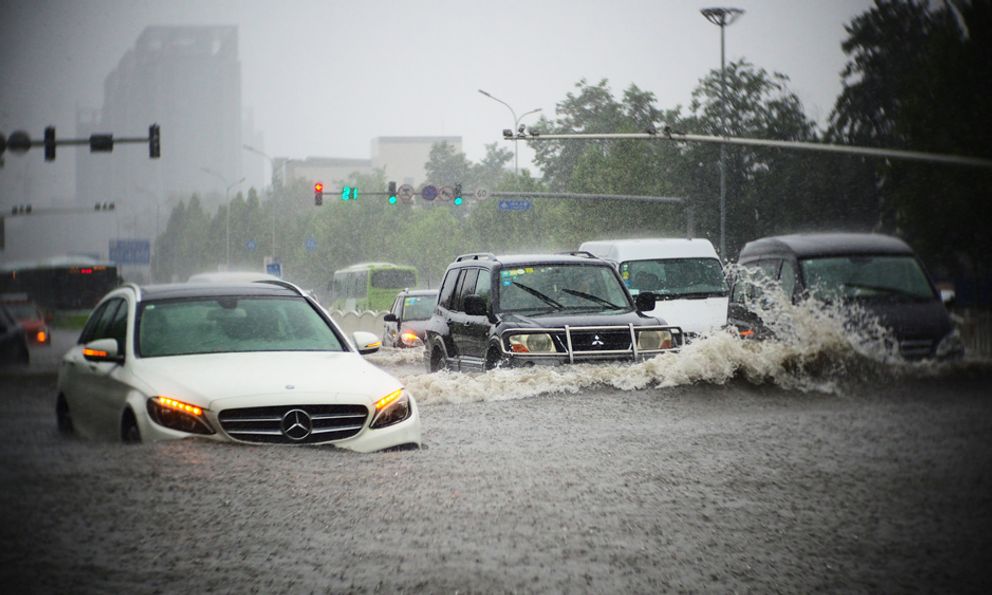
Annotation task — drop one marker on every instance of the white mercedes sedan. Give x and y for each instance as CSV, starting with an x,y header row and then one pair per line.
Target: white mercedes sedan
x,y
254,362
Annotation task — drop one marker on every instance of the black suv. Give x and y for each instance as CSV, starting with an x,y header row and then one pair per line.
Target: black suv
x,y
529,309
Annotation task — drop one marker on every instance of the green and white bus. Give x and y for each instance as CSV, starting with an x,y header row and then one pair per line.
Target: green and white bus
x,y
370,285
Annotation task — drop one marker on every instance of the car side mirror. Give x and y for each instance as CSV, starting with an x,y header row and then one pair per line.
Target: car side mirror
x,y
645,301
390,317
102,350
366,342
948,296
475,305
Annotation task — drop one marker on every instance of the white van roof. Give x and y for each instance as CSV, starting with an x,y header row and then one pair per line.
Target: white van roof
x,y
650,248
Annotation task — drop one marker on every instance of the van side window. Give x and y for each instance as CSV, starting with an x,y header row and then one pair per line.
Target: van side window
x,y
787,277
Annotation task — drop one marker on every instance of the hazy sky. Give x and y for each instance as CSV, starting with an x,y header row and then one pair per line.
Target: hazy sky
x,y
323,77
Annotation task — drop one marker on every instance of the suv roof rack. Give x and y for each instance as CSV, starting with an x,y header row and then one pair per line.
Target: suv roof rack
x,y
476,256
585,253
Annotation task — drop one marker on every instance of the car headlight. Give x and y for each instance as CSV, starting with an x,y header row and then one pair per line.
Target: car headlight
x,y
391,409
177,415
950,346
532,343
410,339
651,340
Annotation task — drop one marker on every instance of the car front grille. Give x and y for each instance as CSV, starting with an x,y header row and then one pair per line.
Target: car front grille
x,y
915,348
599,341
265,424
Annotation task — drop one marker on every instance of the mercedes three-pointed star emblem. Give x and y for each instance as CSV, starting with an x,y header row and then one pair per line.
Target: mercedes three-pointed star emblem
x,y
296,425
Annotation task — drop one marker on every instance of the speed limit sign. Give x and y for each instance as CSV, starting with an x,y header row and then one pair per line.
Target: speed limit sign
x,y
405,193
481,194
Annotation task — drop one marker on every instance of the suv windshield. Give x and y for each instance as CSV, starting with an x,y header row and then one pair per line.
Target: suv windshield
x,y
560,287
231,324
871,277
675,277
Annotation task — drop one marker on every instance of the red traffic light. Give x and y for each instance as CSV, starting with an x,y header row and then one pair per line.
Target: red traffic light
x,y
318,187
318,194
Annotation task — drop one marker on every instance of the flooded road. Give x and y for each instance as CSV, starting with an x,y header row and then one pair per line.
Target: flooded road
x,y
827,474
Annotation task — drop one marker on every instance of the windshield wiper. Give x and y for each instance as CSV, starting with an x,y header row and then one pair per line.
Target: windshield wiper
x,y
884,290
592,298
547,300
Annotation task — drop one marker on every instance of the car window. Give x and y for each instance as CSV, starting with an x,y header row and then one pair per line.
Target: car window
x,y
867,277
418,307
448,288
117,327
96,326
483,286
466,286
787,277
673,277
397,308
232,324
561,287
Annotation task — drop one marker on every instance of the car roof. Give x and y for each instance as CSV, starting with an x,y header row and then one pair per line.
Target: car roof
x,y
419,292
513,260
646,248
230,277
214,289
825,244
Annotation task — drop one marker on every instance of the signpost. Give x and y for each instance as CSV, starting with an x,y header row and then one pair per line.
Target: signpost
x,y
130,251
481,194
273,266
517,205
250,245
405,193
428,192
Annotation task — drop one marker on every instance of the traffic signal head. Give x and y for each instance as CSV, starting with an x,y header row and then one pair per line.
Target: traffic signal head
x,y
392,193
154,140
458,200
318,194
50,143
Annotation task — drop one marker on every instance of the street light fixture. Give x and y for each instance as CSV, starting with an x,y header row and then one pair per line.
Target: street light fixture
x,y
516,124
722,17
227,203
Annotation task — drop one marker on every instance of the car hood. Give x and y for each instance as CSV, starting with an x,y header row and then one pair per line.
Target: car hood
x,y
583,318
700,316
912,320
215,381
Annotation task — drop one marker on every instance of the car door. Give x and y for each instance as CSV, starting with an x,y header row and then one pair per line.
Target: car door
x,y
108,381
77,372
391,333
461,323
478,327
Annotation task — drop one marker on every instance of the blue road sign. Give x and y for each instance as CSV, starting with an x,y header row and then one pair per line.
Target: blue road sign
x,y
428,192
514,205
274,268
250,245
130,251
311,244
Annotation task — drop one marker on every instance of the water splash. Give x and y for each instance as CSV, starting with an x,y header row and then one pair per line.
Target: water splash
x,y
815,347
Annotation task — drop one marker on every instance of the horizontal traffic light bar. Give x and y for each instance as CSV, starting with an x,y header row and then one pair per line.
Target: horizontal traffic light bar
x,y
20,142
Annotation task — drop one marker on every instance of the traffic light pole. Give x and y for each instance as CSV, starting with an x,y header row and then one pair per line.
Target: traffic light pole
x,y
20,142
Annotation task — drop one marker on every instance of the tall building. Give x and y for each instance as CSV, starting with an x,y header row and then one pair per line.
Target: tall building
x,y
187,79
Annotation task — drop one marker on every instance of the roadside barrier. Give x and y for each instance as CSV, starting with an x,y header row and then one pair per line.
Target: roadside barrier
x,y
351,321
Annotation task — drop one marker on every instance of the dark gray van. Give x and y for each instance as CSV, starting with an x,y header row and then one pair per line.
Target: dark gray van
x,y
881,273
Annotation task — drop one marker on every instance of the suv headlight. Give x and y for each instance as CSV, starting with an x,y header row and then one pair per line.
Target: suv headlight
x,y
532,343
391,409
950,346
176,415
652,340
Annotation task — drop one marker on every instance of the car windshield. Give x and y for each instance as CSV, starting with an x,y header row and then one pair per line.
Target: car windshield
x,y
23,311
560,287
232,324
675,277
866,277
418,307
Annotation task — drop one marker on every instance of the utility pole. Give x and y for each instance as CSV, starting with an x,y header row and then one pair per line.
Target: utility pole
x,y
516,124
723,17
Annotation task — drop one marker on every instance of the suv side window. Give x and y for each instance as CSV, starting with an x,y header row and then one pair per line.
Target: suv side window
x,y
483,287
466,285
447,288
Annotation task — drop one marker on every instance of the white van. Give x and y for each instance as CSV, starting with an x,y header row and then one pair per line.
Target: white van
x,y
686,275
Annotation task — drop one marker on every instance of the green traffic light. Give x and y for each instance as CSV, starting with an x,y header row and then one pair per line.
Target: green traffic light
x,y
458,201
392,200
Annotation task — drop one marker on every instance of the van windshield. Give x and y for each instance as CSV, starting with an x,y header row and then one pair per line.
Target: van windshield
x,y
671,278
866,277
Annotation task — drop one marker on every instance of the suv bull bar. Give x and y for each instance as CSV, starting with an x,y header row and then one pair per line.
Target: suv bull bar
x,y
571,353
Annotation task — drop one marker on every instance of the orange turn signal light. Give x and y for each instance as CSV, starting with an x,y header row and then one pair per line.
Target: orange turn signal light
x,y
388,399
94,352
41,337
746,333
179,406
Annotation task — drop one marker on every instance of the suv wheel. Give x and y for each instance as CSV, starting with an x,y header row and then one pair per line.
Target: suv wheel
x,y
494,358
437,359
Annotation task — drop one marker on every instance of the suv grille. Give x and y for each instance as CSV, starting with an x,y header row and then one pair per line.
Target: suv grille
x,y
599,340
264,424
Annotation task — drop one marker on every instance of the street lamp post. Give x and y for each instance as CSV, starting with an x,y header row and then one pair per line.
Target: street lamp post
x,y
516,123
722,17
272,183
227,203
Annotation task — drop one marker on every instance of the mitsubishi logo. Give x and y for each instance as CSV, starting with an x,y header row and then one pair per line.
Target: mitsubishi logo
x,y
296,425
596,341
